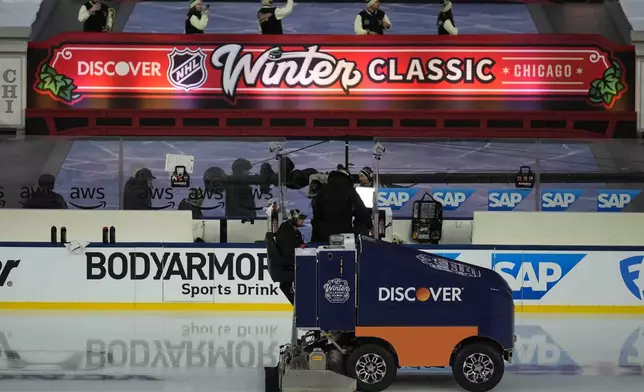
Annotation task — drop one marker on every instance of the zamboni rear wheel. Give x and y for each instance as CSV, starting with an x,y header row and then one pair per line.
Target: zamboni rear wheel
x,y
478,367
373,366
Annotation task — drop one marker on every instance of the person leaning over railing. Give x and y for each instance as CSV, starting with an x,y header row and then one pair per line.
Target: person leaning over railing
x,y
372,20
197,18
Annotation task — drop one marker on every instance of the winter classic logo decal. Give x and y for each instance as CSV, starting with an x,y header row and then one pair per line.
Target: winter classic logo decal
x,y
337,291
75,72
446,265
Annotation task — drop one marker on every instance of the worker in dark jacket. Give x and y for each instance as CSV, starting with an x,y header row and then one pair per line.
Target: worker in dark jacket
x,y
44,198
335,207
137,193
288,238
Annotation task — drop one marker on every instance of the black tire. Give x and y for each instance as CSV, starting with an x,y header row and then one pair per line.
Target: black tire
x,y
478,367
373,366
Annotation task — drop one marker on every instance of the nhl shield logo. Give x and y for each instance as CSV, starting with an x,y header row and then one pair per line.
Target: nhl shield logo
x,y
187,68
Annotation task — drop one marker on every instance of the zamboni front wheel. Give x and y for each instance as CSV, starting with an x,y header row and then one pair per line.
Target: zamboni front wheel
x,y
373,366
478,367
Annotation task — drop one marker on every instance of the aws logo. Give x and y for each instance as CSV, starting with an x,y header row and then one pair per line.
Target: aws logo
x,y
506,200
395,198
615,200
87,198
420,294
452,199
559,199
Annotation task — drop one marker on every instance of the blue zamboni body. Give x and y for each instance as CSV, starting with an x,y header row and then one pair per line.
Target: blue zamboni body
x,y
394,290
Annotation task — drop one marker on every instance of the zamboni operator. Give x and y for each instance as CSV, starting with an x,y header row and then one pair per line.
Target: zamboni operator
x,y
270,17
287,238
372,20
95,17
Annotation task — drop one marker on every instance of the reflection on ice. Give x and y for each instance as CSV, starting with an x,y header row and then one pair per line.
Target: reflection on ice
x,y
188,351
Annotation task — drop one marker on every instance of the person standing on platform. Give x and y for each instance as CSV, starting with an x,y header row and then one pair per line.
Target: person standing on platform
x,y
372,20
270,17
445,22
96,17
197,18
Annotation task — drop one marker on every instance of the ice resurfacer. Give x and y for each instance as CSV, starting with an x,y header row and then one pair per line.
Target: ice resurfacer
x,y
368,312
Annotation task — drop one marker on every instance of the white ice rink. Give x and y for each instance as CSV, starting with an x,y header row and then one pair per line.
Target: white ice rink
x,y
221,352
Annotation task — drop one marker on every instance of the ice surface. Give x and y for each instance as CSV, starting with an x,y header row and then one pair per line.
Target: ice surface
x,y
224,352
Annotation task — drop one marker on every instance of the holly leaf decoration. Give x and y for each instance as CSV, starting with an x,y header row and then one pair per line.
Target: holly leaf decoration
x,y
595,96
605,90
608,98
60,86
610,87
66,94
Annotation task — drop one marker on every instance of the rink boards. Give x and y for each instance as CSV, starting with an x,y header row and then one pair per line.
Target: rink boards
x,y
235,277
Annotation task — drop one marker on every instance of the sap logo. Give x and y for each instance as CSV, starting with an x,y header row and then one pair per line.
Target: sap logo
x,y
631,356
505,200
420,294
631,269
533,275
535,351
395,198
559,199
452,199
615,200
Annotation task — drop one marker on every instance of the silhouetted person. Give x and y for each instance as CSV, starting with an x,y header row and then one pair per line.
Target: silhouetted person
x,y
45,198
335,207
193,202
240,201
287,238
137,193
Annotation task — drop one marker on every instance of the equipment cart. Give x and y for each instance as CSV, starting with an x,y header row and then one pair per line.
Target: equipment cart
x,y
369,308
